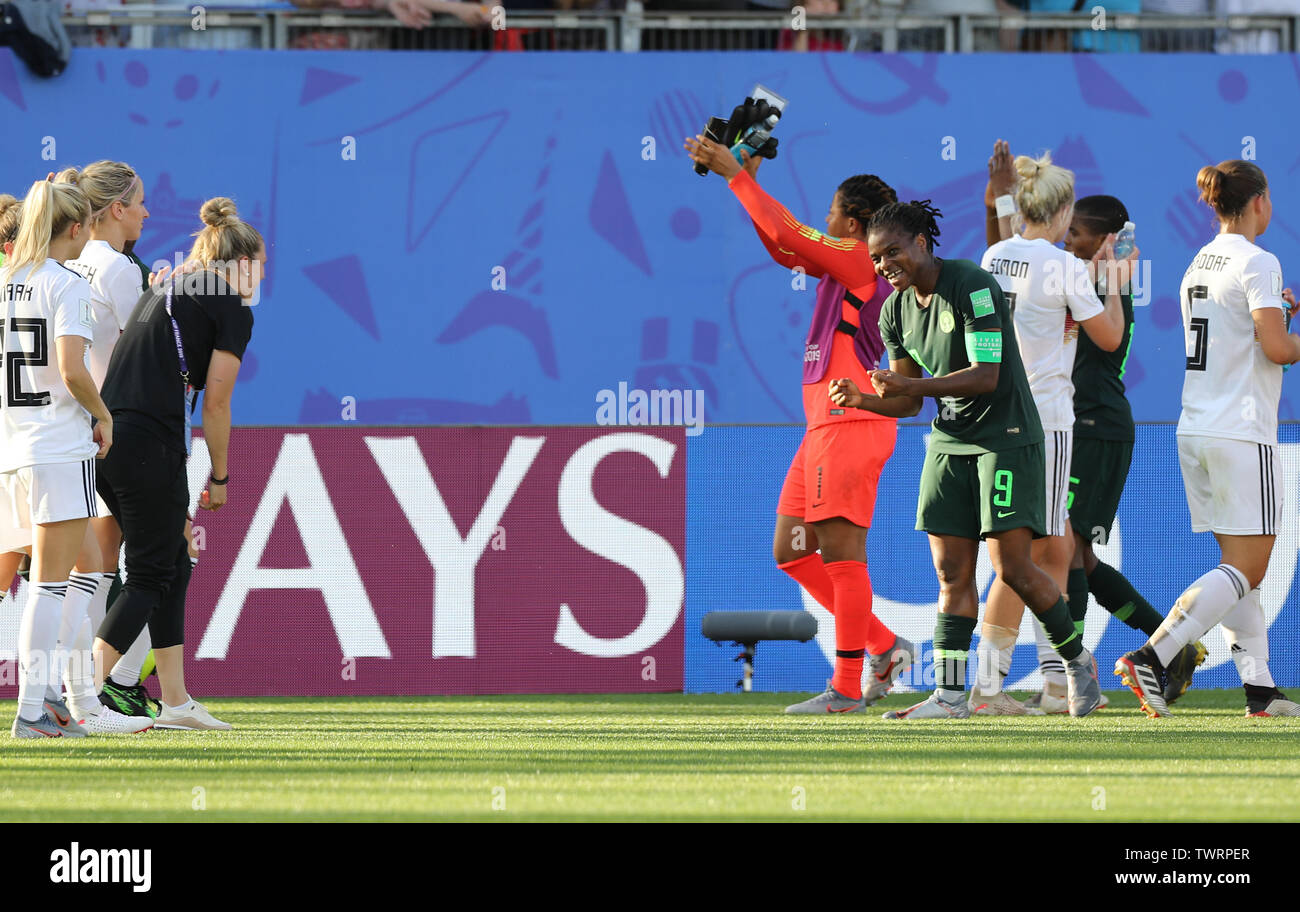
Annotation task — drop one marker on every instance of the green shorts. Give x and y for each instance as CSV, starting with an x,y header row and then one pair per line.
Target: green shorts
x,y
1098,470
976,495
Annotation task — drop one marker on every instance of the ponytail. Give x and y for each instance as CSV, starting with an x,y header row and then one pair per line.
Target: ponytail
x,y
47,211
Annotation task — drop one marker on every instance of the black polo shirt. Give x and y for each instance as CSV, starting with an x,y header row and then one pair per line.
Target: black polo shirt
x,y
143,388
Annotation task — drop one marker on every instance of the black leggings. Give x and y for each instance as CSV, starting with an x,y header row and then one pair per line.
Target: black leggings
x,y
143,482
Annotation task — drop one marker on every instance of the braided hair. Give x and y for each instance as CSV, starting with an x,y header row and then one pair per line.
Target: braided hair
x,y
916,217
863,194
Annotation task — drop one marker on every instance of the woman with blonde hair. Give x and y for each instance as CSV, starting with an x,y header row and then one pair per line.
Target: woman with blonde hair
x,y
187,334
116,195
1050,295
48,447
1235,315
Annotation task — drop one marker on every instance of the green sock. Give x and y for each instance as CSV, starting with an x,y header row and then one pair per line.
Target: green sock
x,y
1117,595
952,636
1077,590
1067,641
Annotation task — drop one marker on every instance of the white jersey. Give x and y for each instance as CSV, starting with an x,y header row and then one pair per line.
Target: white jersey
x,y
1049,293
115,288
1230,389
43,424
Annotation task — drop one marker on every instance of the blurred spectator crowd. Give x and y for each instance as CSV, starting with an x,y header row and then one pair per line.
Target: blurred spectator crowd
x,y
421,24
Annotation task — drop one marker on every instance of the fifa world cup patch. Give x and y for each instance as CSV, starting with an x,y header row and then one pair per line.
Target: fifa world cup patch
x,y
981,302
87,318
984,347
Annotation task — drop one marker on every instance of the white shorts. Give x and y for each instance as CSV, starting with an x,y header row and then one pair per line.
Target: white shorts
x,y
1058,446
15,532
43,494
1234,487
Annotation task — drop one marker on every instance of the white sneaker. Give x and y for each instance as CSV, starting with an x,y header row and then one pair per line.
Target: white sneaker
x,y
932,708
193,716
999,704
111,722
1278,706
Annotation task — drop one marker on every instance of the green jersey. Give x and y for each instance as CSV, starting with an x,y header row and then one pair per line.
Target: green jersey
x,y
1101,410
967,321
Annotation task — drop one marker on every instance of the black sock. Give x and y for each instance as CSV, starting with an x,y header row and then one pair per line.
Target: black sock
x,y
952,636
1060,630
1117,595
1152,657
1077,590
1255,693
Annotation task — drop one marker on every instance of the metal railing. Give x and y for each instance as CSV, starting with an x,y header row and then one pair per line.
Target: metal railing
x,y
636,29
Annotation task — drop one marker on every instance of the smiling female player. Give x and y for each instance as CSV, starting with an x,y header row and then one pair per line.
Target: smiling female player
x,y
983,476
829,492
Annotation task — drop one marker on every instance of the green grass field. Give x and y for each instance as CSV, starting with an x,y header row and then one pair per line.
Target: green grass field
x,y
662,757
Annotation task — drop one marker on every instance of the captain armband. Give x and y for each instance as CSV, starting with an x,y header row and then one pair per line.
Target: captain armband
x,y
984,347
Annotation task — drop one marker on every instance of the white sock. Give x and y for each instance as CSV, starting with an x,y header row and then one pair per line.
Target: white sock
x,y
1049,660
1246,634
1202,605
38,637
71,663
99,604
127,670
993,658
186,702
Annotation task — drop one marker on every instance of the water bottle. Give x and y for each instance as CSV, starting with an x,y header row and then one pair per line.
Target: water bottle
x,y
1125,241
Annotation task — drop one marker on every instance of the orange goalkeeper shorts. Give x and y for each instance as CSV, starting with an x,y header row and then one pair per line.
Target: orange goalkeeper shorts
x,y
836,471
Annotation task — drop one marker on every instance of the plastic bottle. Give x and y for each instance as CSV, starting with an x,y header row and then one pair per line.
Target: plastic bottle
x,y
1125,241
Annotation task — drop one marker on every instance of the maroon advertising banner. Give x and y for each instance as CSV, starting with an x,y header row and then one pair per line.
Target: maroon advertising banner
x,y
438,561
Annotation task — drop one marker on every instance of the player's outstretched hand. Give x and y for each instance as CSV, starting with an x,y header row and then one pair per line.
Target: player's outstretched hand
x,y
714,156
1002,174
846,393
888,383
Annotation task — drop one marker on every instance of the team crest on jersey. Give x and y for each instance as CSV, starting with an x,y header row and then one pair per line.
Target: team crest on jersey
x,y
981,302
946,322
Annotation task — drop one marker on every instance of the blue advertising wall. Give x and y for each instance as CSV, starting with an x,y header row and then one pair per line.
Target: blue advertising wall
x,y
734,476
391,187
394,188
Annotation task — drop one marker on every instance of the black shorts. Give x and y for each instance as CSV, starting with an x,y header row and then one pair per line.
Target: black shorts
x,y
1098,472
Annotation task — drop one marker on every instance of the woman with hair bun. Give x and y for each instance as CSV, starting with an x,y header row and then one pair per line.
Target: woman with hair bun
x,y
187,334
1235,315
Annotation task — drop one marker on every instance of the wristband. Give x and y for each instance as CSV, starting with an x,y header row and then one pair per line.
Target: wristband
x,y
1006,205
218,481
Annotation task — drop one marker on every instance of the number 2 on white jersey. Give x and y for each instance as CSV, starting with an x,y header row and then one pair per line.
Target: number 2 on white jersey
x,y
39,356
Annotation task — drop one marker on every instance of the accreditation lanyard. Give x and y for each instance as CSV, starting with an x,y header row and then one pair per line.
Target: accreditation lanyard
x,y
185,371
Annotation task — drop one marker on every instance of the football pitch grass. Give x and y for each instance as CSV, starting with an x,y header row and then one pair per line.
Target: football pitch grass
x,y
671,757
